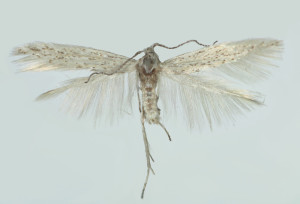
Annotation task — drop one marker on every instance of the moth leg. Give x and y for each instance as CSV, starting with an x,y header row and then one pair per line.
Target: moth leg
x,y
118,70
163,127
148,155
140,109
138,95
151,157
94,73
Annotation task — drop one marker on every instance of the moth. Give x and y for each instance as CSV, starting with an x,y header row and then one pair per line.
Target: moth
x,y
202,84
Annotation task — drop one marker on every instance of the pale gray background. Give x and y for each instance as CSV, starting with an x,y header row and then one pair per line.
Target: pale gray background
x,y
49,157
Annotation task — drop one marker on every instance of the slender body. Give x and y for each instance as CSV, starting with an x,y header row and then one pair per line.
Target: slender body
x,y
201,83
148,69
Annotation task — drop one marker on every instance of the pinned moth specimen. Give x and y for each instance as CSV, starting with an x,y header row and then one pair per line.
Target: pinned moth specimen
x,y
201,83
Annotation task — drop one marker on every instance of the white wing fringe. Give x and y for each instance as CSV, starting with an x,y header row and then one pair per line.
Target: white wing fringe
x,y
107,97
203,99
256,63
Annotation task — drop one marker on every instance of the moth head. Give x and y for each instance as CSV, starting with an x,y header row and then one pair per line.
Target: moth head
x,y
150,60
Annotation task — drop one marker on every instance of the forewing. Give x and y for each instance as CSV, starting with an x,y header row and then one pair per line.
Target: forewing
x,y
203,99
245,60
106,96
39,56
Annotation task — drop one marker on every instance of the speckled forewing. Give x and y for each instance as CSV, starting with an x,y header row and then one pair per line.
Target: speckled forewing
x,y
203,84
39,56
244,60
105,96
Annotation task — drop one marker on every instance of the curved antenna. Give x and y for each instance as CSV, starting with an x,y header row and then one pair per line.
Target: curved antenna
x,y
121,66
137,53
158,44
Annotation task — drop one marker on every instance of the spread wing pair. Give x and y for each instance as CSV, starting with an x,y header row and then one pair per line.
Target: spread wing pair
x,y
201,82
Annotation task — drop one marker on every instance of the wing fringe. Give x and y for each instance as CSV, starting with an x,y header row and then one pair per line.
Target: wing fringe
x,y
202,99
